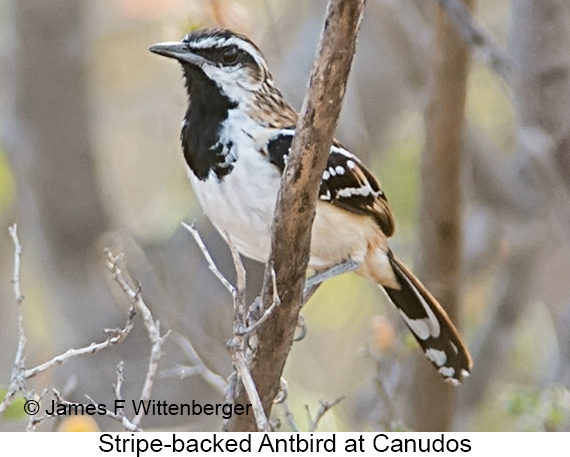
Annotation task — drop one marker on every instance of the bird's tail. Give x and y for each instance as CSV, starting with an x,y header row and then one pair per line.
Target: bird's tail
x,y
430,324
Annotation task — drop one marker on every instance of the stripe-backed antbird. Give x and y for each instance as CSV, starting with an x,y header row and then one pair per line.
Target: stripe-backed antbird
x,y
236,136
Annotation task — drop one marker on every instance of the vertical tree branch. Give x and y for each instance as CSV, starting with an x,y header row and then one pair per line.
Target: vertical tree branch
x,y
296,203
441,209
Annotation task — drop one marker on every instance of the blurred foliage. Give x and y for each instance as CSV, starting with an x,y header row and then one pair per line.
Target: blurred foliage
x,y
528,409
16,410
399,171
490,107
6,183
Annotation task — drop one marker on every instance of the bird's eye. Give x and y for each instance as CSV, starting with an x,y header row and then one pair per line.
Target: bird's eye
x,y
230,55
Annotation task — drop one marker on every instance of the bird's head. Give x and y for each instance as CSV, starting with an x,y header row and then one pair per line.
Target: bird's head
x,y
229,60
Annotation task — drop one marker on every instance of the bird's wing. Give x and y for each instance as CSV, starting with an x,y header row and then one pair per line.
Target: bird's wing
x,y
345,183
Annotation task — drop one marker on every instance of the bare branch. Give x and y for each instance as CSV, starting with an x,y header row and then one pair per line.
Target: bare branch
x,y
237,345
296,202
276,302
199,367
323,408
211,264
245,376
313,423
119,416
13,230
289,416
317,279
152,327
477,38
114,336
16,381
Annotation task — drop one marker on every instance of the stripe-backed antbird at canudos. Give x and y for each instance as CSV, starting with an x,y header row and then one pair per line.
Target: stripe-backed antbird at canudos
x,y
236,137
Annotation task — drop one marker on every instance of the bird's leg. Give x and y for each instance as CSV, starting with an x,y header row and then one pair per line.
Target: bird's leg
x,y
319,277
314,282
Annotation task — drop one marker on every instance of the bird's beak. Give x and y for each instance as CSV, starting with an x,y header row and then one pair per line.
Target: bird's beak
x,y
178,51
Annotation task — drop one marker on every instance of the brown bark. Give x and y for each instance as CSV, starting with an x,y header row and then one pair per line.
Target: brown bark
x,y
440,265
296,202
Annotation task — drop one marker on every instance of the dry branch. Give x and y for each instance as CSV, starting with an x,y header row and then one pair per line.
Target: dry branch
x,y
477,38
295,209
19,373
152,327
237,344
198,366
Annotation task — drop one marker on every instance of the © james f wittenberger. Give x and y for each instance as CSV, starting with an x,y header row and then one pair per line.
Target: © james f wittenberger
x,y
151,408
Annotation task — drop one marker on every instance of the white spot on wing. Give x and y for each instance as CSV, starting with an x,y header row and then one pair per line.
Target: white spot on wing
x,y
351,164
447,372
331,171
342,151
436,356
326,175
339,170
351,191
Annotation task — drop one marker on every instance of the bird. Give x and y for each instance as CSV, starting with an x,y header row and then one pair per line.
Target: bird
x,y
236,136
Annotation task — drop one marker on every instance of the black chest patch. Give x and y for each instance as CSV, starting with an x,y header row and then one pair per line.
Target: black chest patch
x,y
278,149
200,134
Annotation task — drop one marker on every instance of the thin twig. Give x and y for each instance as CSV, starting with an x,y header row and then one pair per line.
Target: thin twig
x,y
249,384
315,281
237,344
198,366
152,327
268,311
211,264
323,408
19,372
477,38
289,416
13,230
16,380
114,336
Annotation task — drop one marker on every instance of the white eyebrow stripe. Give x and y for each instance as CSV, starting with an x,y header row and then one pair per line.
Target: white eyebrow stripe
x,y
210,42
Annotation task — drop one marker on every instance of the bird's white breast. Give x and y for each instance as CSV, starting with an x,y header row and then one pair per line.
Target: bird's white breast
x,y
242,203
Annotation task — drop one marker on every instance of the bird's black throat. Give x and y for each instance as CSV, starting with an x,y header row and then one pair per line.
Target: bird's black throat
x,y
200,134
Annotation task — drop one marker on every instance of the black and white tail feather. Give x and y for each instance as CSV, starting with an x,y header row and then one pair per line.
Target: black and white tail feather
x,y
429,324
236,138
